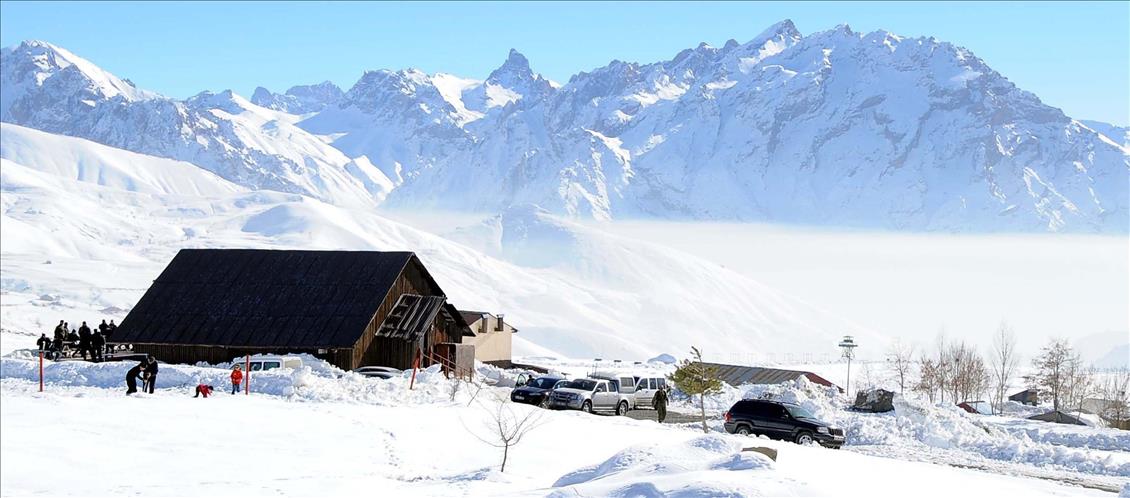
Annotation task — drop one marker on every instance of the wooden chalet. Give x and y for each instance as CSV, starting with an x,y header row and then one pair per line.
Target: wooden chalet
x,y
350,308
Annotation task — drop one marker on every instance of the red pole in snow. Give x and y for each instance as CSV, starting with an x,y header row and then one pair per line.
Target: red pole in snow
x,y
247,376
415,365
41,371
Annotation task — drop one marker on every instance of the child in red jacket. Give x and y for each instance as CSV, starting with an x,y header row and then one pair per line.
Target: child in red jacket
x,y
203,390
236,378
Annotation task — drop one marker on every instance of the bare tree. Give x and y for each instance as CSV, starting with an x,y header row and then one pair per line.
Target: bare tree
x,y
505,428
901,358
927,377
1059,372
1004,362
1114,390
968,376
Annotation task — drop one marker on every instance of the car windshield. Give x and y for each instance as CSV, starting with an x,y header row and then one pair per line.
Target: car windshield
x,y
798,412
582,384
544,383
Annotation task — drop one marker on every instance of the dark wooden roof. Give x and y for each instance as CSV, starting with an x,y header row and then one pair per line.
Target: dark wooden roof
x,y
265,298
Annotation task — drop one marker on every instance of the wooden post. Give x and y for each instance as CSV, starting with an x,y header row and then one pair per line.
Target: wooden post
x,y
247,376
41,371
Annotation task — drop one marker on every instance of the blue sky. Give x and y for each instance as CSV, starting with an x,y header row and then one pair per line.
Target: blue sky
x,y
1075,56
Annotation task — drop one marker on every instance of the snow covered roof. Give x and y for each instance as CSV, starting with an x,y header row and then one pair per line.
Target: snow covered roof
x,y
267,298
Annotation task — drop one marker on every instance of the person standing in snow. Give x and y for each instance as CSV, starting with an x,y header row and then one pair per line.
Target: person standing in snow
x,y
659,402
84,340
108,335
44,343
236,378
131,377
97,343
150,374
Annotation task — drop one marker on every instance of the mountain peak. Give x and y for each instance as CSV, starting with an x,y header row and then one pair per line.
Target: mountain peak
x,y
516,67
34,64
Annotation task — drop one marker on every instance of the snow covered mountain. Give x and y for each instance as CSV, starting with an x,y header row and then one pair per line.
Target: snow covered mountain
x,y
301,99
50,89
835,128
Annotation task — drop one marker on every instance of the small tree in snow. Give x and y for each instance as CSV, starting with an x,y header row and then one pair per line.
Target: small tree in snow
x,y
1059,373
695,378
505,428
1004,362
901,358
1114,390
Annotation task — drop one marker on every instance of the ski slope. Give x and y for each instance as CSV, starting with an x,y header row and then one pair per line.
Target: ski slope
x,y
86,227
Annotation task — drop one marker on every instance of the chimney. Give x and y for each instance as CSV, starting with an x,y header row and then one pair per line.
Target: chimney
x,y
499,323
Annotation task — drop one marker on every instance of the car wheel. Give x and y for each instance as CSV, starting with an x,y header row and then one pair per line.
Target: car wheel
x,y
804,437
622,408
742,430
586,407
544,402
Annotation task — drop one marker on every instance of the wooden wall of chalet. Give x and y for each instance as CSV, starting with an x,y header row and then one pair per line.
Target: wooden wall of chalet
x,y
396,353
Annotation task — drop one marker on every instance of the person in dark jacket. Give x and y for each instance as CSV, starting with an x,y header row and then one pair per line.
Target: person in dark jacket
x,y
84,339
44,343
659,402
72,341
97,344
150,374
108,335
132,375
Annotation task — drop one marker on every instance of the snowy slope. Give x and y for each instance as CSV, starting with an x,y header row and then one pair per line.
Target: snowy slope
x,y
589,301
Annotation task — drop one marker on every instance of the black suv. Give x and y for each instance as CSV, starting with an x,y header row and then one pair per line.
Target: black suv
x,y
536,391
781,421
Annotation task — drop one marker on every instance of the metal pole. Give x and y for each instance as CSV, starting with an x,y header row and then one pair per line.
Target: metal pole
x,y
40,371
247,377
849,378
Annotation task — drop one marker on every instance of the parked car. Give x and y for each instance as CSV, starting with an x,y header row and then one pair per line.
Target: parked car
x,y
645,390
622,383
268,362
536,391
591,396
784,421
378,372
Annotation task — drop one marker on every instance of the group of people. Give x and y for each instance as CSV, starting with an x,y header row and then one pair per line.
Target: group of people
x,y
90,343
146,370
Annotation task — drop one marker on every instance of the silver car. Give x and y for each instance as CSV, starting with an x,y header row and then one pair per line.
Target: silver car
x,y
591,396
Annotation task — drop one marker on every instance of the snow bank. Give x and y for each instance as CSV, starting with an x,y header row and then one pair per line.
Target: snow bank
x,y
920,424
698,466
317,380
